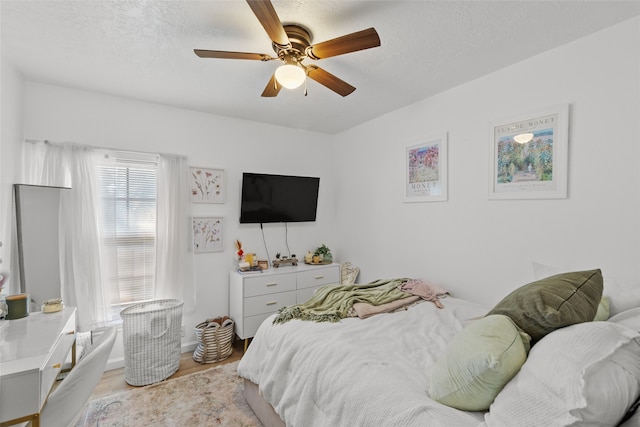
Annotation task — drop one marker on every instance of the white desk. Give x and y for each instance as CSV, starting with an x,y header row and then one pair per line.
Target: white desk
x,y
32,351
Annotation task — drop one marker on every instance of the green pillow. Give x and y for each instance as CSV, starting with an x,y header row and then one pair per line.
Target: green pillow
x,y
603,310
479,361
554,302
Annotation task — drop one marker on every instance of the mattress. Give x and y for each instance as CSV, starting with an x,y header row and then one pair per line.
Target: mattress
x,y
359,371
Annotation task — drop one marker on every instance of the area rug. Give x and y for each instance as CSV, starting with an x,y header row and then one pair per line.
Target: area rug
x,y
207,398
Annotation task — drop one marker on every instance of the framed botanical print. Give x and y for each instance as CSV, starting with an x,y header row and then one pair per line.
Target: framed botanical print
x,y
207,234
207,185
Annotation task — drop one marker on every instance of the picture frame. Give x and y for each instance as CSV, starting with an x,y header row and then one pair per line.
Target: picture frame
x,y
207,185
207,234
528,155
426,170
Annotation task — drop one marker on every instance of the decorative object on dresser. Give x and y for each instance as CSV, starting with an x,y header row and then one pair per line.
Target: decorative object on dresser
x,y
322,255
253,298
285,261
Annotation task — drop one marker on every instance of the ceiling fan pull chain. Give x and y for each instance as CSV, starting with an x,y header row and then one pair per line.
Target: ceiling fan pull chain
x,y
305,87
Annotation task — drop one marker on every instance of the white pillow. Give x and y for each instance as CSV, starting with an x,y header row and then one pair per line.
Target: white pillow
x,y
622,296
586,374
629,318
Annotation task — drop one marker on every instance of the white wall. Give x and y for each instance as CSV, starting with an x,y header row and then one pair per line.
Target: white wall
x,y
483,249
476,248
60,114
11,124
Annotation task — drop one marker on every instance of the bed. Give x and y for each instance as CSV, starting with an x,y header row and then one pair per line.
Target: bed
x,y
381,370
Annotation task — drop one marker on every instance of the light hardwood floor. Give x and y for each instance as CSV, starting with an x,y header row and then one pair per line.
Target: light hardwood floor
x,y
113,382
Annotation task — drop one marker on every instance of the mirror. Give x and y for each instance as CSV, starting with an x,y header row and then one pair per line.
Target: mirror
x,y
37,213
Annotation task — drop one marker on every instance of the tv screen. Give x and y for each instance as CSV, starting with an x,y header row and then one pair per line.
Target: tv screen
x,y
278,198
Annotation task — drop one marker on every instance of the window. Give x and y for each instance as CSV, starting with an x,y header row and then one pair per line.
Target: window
x,y
128,190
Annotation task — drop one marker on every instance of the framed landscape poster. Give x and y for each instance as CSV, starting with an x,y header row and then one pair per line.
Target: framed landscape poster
x,y
207,234
529,155
207,185
426,170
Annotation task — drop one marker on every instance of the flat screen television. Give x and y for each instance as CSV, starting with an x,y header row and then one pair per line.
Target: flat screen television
x,y
278,198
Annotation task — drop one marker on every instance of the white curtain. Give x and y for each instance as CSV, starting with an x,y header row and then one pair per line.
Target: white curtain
x,y
81,275
44,163
70,165
74,166
174,252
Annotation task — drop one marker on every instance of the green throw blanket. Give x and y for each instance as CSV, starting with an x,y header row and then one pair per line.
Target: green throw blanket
x,y
332,303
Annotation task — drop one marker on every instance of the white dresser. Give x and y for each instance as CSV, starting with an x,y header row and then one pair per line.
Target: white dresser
x,y
32,351
255,296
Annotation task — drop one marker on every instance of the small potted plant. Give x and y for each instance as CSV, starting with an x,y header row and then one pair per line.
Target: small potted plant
x,y
324,254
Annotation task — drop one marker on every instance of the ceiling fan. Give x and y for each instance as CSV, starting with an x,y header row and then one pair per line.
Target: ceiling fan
x,y
292,45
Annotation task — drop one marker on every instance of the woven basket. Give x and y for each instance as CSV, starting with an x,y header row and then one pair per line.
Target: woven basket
x,y
151,338
214,341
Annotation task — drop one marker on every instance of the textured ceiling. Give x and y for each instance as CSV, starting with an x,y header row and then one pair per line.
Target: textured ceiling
x,y
143,50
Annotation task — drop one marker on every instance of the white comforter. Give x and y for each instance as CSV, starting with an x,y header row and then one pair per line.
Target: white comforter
x,y
371,372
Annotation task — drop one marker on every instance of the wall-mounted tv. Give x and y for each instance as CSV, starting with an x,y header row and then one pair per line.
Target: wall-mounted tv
x,y
278,198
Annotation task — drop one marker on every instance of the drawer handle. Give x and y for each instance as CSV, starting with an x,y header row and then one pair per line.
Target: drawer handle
x,y
319,277
57,366
272,302
272,284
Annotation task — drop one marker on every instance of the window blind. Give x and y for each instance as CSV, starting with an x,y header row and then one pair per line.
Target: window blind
x,y
128,192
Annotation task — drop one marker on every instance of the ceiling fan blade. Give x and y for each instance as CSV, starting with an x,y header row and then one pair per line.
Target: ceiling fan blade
x,y
353,42
266,14
329,80
223,54
272,88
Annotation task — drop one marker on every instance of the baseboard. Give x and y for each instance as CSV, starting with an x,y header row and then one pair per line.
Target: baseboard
x,y
118,363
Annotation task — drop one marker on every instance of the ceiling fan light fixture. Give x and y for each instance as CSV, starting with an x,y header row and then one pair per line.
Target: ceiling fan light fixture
x,y
290,76
523,138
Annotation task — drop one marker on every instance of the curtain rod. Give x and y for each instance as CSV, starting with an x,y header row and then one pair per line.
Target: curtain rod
x,y
46,141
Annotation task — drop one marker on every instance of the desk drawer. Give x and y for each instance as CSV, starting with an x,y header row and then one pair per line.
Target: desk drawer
x,y
270,303
269,284
319,277
56,359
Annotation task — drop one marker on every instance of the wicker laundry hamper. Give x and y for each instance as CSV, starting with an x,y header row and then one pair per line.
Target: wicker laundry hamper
x,y
215,337
151,335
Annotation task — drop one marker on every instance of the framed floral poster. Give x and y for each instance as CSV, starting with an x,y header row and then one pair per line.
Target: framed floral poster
x,y
426,170
207,234
207,185
529,154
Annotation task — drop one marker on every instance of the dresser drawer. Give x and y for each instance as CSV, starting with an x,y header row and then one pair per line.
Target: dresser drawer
x,y
303,295
318,277
251,324
269,284
268,303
